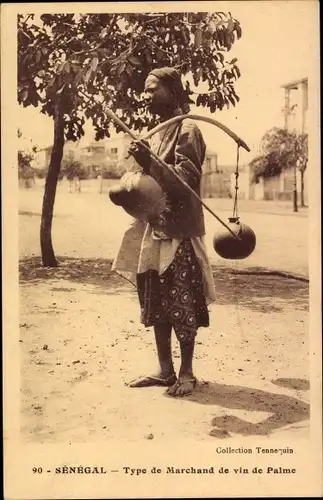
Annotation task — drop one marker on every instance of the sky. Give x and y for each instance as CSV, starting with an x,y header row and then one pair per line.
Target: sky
x,y
278,45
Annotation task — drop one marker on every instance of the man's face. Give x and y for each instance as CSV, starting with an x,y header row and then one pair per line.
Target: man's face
x,y
157,96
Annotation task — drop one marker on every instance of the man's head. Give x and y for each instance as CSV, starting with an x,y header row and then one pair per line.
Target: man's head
x,y
164,92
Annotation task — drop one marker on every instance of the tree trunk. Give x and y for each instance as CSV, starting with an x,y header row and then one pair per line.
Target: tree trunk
x,y
295,207
302,187
47,252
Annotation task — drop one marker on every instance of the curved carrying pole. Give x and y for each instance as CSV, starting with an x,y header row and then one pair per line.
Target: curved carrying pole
x,y
124,127
206,119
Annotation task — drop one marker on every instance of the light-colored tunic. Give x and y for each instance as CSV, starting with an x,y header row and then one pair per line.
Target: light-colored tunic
x,y
140,251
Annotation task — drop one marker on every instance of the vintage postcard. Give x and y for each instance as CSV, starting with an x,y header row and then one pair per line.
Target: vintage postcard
x,y
161,249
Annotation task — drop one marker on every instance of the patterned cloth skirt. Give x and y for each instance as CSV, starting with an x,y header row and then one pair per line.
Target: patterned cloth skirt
x,y
176,296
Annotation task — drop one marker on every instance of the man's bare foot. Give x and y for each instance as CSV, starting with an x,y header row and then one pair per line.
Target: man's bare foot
x,y
183,387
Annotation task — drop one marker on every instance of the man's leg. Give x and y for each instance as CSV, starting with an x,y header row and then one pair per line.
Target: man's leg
x,y
165,373
186,380
163,337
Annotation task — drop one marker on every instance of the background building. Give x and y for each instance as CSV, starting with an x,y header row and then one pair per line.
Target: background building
x,y
281,187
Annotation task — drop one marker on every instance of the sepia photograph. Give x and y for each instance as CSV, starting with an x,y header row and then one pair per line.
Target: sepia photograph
x,y
161,223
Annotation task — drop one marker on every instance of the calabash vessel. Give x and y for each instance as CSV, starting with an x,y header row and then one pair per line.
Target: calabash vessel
x,y
139,195
229,247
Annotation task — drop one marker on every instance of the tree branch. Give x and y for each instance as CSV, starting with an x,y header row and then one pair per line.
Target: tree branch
x,y
88,51
154,44
154,19
27,18
114,21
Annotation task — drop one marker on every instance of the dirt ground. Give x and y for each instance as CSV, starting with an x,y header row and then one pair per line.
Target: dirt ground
x,y
81,340
88,225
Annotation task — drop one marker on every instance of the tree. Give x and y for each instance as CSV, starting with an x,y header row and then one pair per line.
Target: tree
x,y
301,146
73,168
25,170
25,158
73,66
113,169
281,150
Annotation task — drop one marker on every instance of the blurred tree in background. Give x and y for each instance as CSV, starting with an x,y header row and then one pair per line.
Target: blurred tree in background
x,y
281,150
72,168
25,158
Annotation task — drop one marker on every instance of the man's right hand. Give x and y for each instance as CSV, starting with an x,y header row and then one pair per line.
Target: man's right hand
x,y
140,154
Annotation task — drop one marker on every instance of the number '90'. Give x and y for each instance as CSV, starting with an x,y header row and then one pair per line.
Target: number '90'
x,y
37,470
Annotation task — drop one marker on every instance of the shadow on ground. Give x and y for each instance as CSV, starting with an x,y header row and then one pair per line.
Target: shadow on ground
x,y
298,384
86,271
285,410
260,292
264,294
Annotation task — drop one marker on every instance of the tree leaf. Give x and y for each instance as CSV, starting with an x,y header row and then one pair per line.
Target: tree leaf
x,y
103,53
79,78
198,73
66,67
220,37
148,56
196,80
211,27
227,40
135,60
87,75
38,56
185,35
94,63
198,38
231,99
104,32
129,70
59,91
120,69
24,95
91,88
230,26
238,30
159,55
51,85
237,98
61,67
207,41
34,98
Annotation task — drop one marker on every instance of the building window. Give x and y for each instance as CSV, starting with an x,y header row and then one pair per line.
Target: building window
x,y
114,151
208,165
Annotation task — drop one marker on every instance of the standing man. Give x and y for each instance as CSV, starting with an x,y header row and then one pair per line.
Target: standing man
x,y
170,264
